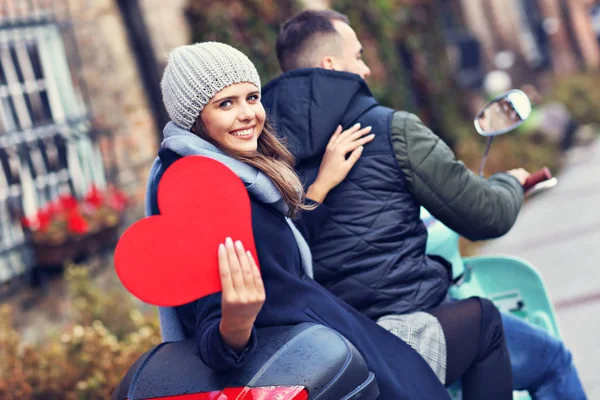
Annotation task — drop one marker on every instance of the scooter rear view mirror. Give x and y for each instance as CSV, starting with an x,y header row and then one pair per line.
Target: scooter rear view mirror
x,y
501,115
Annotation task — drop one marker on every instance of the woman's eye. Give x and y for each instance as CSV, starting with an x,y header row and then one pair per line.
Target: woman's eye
x,y
253,97
225,103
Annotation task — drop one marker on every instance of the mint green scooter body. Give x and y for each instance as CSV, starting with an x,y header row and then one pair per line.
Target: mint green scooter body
x,y
513,284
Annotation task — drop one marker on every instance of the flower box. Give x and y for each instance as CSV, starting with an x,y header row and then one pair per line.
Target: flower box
x,y
69,229
56,254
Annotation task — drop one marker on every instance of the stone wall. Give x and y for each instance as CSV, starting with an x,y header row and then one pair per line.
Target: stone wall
x,y
116,93
167,25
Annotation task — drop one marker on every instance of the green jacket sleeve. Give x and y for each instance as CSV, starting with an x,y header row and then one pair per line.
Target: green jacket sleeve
x,y
472,206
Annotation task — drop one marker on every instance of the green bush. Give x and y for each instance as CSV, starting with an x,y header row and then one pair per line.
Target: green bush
x,y
384,26
249,25
88,357
580,93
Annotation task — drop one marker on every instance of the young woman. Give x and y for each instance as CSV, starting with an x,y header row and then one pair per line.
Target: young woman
x,y
212,94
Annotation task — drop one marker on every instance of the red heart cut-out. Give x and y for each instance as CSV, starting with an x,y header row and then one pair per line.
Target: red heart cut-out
x,y
171,259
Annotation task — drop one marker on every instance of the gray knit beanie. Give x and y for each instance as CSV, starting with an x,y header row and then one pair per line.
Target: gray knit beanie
x,y
195,73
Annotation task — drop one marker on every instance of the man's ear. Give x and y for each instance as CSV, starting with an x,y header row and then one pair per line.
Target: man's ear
x,y
328,63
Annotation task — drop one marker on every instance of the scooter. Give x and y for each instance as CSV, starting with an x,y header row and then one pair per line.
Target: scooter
x,y
513,284
311,361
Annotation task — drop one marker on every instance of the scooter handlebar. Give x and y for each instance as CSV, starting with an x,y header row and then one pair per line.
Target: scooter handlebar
x,y
539,176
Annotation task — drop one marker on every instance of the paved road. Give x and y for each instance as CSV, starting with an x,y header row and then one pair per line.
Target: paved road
x,y
559,232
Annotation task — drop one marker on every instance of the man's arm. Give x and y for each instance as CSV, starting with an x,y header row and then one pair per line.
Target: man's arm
x,y
472,206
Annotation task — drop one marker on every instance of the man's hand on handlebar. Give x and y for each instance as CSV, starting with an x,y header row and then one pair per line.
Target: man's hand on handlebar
x,y
520,174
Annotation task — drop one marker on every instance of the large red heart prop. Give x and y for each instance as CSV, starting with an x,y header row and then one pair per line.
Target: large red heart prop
x,y
171,259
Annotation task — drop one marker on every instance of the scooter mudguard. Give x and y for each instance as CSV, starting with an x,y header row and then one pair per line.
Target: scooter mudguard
x,y
301,362
513,284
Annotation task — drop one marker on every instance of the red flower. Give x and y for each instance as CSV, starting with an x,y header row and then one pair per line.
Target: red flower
x,y
94,197
117,198
43,219
40,222
76,223
27,222
54,208
68,202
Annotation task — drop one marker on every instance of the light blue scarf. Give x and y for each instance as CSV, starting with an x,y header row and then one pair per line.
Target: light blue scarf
x,y
258,184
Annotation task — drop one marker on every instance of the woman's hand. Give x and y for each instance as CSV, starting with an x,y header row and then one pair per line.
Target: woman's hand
x,y
243,294
334,166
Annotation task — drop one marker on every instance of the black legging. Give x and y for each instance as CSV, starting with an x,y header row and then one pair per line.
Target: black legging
x,y
476,349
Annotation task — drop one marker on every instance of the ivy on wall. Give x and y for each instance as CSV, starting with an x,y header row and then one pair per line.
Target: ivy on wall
x,y
248,25
405,47
403,41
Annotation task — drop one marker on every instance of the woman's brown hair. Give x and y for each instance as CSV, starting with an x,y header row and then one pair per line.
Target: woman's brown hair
x,y
274,160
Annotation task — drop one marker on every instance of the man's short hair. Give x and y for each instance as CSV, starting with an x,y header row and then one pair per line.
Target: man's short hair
x,y
308,37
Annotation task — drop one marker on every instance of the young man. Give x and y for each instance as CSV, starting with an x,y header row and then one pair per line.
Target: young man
x,y
371,251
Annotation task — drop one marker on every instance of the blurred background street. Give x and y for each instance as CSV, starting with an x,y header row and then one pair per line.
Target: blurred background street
x,y
559,233
81,116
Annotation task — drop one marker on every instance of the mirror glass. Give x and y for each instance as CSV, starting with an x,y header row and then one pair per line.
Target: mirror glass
x,y
503,114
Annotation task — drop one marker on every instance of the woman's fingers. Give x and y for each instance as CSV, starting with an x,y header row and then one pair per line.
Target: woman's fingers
x,y
245,265
335,136
349,132
358,134
243,294
343,136
353,133
354,137
354,156
258,283
240,276
358,143
224,272
234,267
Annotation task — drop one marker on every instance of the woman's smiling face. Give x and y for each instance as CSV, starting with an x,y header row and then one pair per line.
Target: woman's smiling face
x,y
235,117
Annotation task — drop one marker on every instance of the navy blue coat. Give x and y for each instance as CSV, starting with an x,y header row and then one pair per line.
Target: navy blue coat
x,y
293,298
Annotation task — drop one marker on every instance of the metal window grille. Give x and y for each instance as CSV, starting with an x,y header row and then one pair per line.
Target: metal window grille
x,y
46,141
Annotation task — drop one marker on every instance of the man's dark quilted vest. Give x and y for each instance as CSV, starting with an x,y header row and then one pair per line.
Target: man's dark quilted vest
x,y
371,252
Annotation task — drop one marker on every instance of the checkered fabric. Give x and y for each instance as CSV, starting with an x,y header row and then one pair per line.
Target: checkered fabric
x,y
423,332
